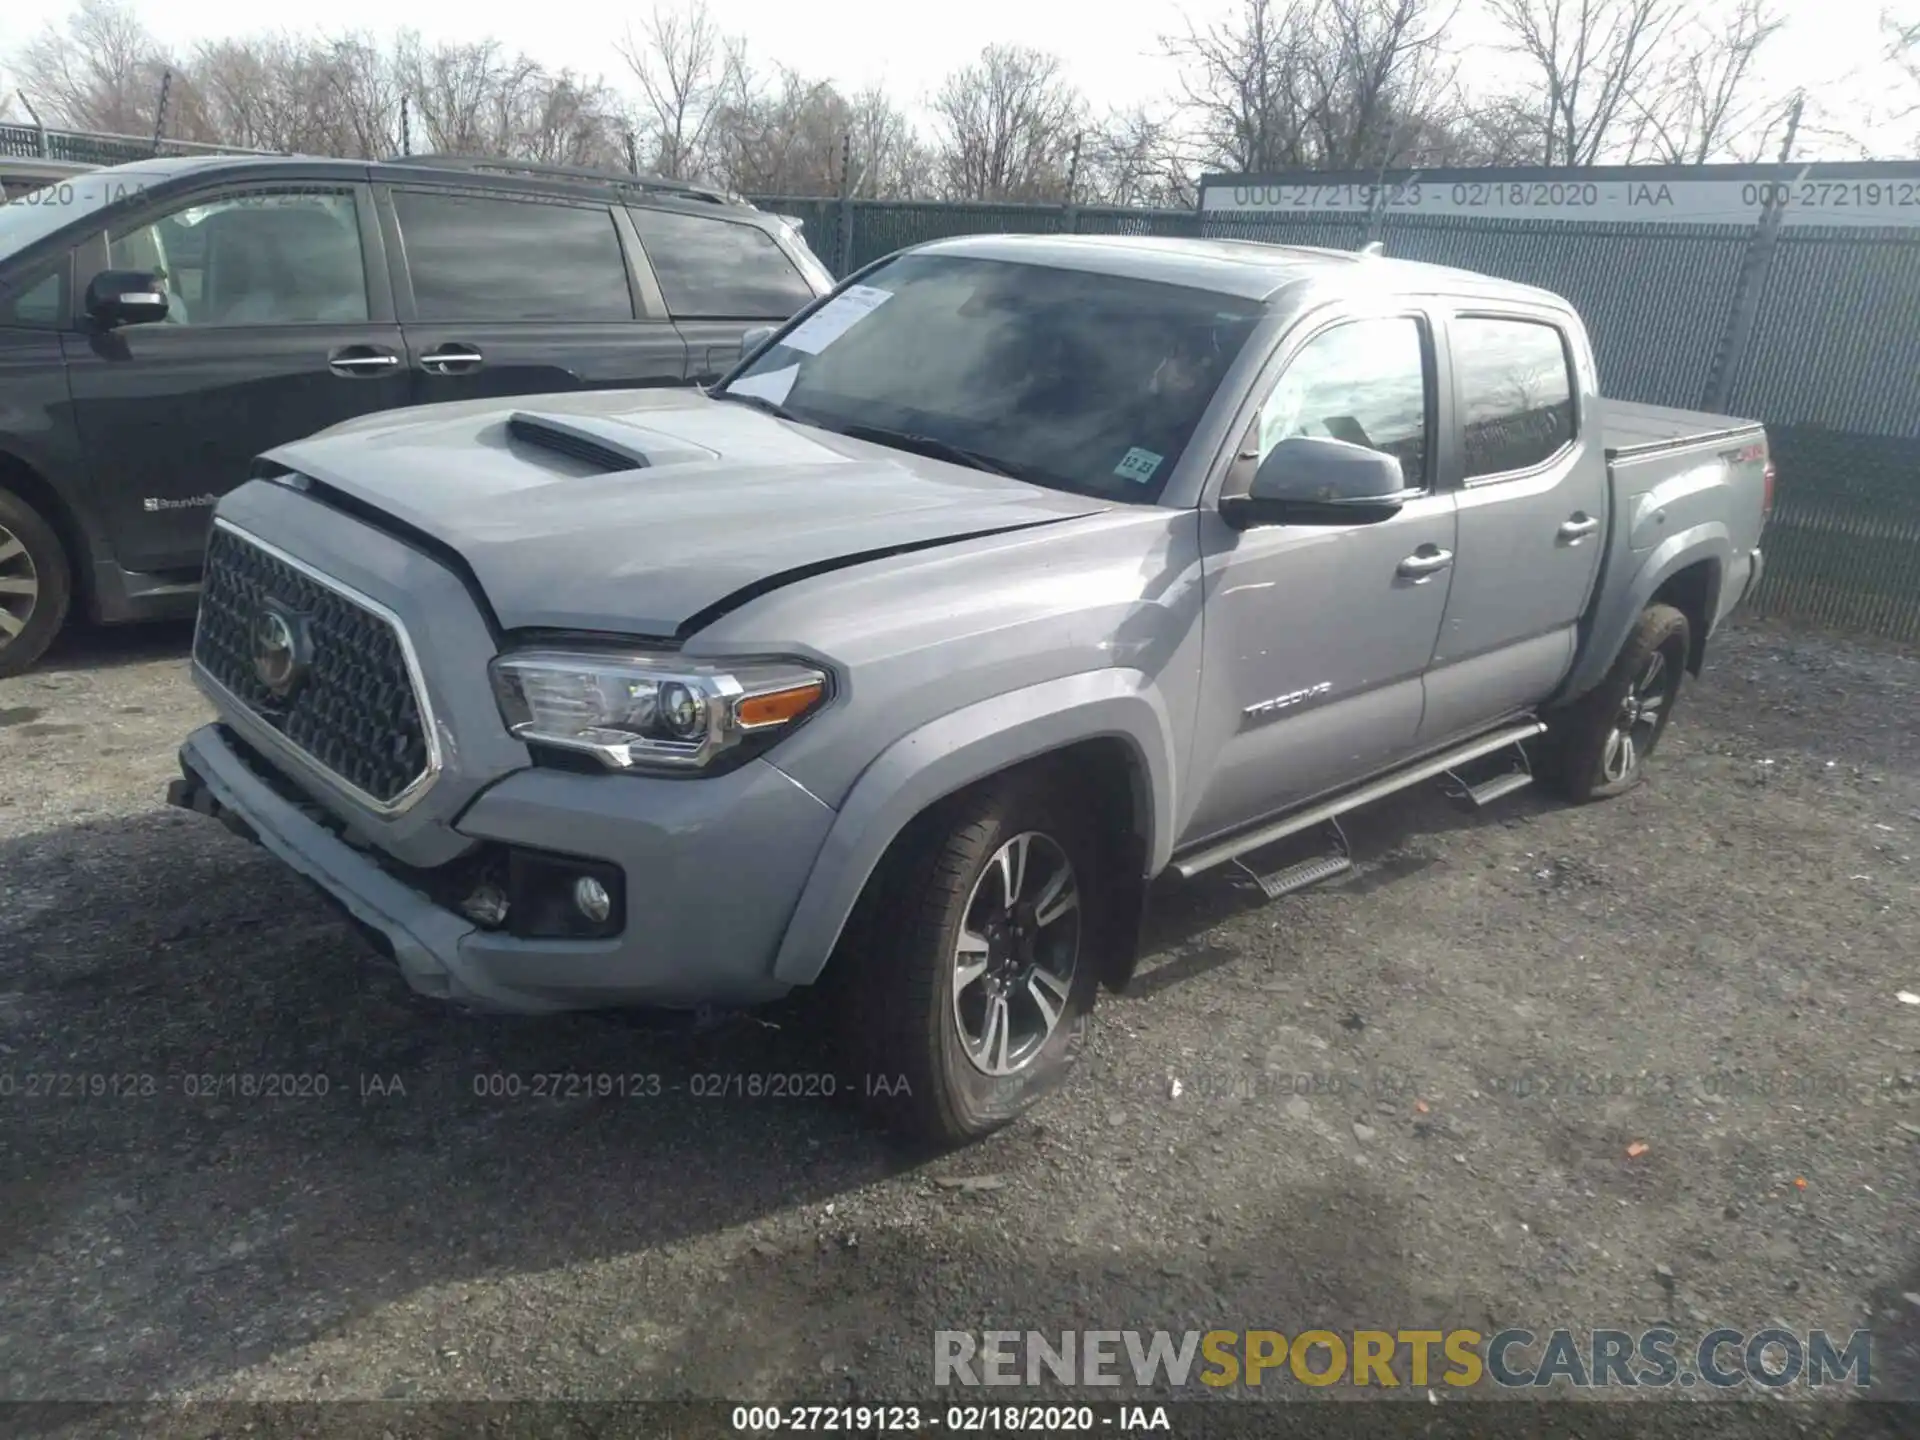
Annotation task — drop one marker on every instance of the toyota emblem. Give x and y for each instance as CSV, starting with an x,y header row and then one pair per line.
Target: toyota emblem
x,y
280,648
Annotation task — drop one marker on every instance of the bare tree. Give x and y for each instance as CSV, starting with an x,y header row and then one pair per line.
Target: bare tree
x,y
1005,127
1903,53
1702,102
1335,84
1134,157
99,70
1591,58
689,73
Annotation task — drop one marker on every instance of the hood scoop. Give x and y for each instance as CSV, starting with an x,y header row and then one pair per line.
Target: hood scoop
x,y
607,446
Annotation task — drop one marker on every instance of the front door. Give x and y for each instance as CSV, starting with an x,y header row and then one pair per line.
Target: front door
x,y
271,333
1533,513
1317,636
504,295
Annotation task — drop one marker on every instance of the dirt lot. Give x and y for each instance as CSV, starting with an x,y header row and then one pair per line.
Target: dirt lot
x,y
1718,955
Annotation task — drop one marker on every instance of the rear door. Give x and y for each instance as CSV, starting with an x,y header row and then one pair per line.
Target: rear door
x,y
279,324
521,295
1532,475
721,278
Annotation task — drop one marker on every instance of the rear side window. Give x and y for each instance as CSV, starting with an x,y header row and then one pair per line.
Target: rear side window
x,y
719,269
482,258
1516,393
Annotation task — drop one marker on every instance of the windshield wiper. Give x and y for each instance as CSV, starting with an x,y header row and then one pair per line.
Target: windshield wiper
x,y
931,446
758,402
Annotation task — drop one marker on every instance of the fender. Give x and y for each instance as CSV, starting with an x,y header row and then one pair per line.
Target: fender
x,y
952,752
1620,606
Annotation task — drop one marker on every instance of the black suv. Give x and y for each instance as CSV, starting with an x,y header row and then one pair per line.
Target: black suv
x,y
165,321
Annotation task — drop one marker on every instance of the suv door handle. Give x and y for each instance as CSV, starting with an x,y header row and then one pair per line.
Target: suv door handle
x,y
1579,525
1425,563
452,360
354,362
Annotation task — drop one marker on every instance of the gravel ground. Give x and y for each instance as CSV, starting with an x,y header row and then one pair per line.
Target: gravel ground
x,y
1368,1104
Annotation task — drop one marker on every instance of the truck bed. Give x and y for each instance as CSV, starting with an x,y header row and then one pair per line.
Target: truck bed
x,y
1631,429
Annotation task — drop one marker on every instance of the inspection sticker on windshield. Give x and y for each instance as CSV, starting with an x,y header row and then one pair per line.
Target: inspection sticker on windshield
x,y
1138,465
836,317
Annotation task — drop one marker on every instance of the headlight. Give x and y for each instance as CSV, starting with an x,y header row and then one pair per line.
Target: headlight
x,y
651,712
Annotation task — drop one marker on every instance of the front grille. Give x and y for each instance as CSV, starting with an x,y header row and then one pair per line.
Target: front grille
x,y
354,711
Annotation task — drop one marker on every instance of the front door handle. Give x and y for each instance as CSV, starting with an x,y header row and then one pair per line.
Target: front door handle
x,y
452,360
356,362
1425,563
1579,525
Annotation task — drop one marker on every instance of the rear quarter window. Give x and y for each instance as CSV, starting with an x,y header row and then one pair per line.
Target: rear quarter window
x,y
713,269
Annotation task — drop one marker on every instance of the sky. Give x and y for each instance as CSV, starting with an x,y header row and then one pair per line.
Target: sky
x,y
1111,49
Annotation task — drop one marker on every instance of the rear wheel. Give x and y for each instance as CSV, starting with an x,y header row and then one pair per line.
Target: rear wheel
x,y
1598,746
967,986
35,584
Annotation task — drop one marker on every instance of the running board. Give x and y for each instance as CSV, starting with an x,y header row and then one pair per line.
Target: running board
x,y
1186,867
1308,872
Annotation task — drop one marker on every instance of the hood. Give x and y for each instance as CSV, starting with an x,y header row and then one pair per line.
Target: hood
x,y
732,502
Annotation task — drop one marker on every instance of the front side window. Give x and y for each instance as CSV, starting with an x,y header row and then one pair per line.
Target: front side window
x,y
719,269
1516,393
1075,380
1365,382
487,258
272,257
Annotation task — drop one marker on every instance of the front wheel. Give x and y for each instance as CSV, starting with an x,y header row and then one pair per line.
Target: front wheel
x,y
1598,746
974,970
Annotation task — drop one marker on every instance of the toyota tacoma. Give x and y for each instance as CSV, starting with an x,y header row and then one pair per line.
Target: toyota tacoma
x,y
1010,575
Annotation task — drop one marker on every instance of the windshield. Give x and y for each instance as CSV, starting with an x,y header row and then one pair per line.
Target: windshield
x,y
1067,378
38,213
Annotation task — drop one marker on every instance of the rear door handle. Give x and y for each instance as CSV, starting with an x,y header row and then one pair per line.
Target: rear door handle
x,y
356,362
452,360
1579,525
1425,563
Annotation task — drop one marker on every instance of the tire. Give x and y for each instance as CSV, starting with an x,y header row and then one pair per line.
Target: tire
x,y
1598,746
36,585
934,1070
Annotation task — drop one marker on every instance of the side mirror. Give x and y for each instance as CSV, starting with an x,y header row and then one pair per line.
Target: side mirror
x,y
126,297
754,339
1314,480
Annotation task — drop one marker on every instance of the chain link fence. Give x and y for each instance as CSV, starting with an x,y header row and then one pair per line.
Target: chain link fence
x,y
1831,359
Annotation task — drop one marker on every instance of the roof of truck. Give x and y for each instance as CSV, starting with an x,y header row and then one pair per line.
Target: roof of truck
x,y
1249,269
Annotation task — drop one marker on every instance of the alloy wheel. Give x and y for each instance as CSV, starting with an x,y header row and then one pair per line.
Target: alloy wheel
x,y
19,585
1638,720
1019,943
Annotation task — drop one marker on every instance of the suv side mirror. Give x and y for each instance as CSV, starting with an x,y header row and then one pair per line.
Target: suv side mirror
x,y
754,339
1314,480
126,297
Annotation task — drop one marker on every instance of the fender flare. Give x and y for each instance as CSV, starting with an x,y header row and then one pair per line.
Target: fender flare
x,y
1614,620
954,751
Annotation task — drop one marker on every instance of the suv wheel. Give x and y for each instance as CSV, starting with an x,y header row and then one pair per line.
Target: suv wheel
x,y
1598,746
975,969
35,585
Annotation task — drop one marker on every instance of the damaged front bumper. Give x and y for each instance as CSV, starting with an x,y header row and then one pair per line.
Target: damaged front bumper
x,y
710,871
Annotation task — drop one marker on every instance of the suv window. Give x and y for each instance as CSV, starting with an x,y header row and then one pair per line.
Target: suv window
x,y
1364,381
1516,392
719,269
483,257
39,301
268,257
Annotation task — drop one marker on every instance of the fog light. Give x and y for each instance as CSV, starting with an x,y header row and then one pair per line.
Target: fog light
x,y
485,906
591,899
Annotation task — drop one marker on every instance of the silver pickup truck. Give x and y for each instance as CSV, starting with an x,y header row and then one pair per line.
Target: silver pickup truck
x,y
1014,573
